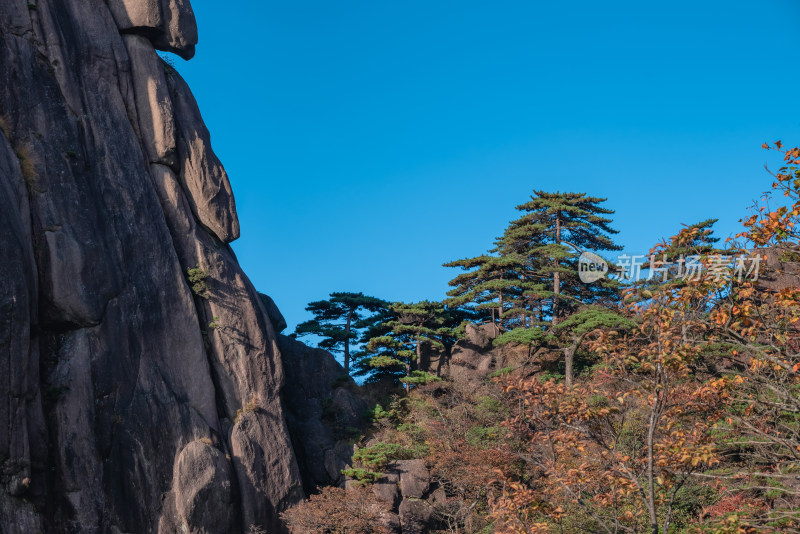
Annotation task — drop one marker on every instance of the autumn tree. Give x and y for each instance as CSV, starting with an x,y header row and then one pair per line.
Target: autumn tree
x,y
699,398
335,318
614,452
338,511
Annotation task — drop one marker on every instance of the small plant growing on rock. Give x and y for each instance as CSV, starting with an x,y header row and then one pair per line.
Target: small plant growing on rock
x,y
28,169
251,406
379,455
500,372
197,278
4,127
169,64
420,378
214,323
361,476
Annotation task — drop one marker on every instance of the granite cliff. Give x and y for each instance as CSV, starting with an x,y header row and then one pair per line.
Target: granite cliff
x,y
132,400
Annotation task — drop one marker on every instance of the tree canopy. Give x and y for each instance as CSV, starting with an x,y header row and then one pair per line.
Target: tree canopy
x,y
336,319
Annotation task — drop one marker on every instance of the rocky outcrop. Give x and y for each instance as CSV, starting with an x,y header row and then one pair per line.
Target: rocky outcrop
x,y
475,356
323,413
132,399
275,315
168,24
775,268
407,490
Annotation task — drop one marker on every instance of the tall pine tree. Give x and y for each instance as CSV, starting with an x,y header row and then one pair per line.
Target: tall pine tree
x,y
555,224
335,321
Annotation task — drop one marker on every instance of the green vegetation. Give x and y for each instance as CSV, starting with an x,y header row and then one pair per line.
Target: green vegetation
x,y
676,412
249,406
28,168
337,321
197,281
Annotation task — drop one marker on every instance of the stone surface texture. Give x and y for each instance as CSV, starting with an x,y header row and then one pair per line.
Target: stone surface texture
x,y
122,408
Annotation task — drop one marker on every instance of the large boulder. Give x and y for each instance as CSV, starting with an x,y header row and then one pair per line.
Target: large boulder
x,y
475,357
774,268
169,24
414,478
204,490
415,516
153,102
274,313
472,358
201,173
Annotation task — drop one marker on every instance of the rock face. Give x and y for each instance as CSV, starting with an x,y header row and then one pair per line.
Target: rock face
x,y
323,412
169,24
407,490
475,357
123,408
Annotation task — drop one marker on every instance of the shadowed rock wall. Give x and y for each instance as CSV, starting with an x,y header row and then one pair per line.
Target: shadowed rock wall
x,y
121,409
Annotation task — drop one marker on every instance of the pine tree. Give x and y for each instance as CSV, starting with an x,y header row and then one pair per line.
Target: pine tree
x,y
697,238
335,321
668,260
394,339
574,329
545,237
418,321
489,283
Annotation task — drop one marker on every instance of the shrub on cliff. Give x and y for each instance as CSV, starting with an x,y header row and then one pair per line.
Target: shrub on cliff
x,y
338,511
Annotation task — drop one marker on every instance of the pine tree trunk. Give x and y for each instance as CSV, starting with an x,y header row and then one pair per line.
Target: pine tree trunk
x,y
556,274
419,354
500,310
533,309
651,496
569,361
347,344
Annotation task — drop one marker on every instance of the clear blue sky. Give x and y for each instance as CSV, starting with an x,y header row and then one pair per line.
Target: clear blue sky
x,y
368,142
